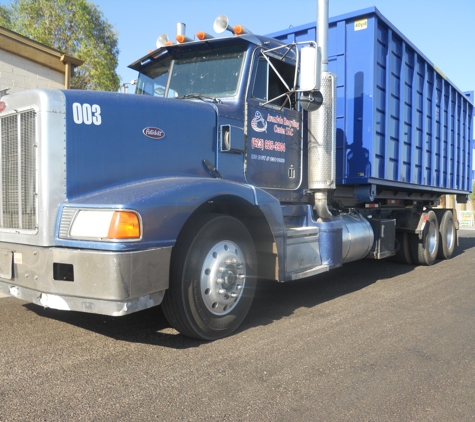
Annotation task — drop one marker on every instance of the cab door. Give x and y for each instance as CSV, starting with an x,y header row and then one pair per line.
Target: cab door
x,y
274,127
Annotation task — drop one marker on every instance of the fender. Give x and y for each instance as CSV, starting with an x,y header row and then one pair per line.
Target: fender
x,y
165,205
271,208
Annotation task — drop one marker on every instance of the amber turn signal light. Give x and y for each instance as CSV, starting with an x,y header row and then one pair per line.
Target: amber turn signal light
x,y
124,225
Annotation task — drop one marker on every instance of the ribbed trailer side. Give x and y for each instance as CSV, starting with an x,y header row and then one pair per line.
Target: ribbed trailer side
x,y
400,120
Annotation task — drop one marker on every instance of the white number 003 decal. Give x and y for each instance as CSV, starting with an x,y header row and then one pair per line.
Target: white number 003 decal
x,y
87,114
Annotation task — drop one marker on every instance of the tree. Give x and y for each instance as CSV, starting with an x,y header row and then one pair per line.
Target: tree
x,y
75,27
4,17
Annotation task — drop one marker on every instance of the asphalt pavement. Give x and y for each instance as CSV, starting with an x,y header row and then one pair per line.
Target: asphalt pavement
x,y
371,341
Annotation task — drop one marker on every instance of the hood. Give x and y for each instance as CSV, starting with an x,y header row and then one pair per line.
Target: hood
x,y
114,139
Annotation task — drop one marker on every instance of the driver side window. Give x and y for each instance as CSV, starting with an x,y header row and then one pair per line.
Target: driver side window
x,y
268,86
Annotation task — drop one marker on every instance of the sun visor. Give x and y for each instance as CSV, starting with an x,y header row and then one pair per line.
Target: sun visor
x,y
197,45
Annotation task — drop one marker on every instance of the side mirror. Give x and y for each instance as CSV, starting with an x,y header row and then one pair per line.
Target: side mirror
x,y
310,78
310,69
311,100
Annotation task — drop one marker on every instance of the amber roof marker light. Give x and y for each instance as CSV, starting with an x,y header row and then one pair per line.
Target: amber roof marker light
x,y
221,24
180,33
202,35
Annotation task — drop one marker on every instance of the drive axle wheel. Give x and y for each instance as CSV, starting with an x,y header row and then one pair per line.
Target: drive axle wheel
x,y
447,236
424,251
212,278
403,255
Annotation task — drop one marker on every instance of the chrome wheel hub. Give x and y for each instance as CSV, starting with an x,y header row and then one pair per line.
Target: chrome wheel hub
x,y
432,238
223,277
450,239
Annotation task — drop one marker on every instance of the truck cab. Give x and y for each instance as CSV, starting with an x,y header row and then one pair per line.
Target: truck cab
x,y
251,83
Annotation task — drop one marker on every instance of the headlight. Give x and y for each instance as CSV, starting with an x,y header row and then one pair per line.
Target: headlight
x,y
100,224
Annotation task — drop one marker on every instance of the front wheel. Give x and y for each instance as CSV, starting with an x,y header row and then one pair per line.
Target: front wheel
x,y
212,278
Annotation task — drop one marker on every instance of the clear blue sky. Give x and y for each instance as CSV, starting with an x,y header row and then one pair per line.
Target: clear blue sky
x,y
443,30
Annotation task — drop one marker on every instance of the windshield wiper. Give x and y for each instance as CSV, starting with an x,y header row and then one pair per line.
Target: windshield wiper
x,y
200,97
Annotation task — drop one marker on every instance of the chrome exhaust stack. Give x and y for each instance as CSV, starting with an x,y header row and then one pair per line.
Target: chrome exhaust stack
x,y
322,126
321,147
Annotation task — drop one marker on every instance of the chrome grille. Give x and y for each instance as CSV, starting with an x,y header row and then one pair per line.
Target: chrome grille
x,y
18,171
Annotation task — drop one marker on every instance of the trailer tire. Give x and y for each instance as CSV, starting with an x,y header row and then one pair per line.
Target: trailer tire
x,y
424,251
212,278
403,254
447,236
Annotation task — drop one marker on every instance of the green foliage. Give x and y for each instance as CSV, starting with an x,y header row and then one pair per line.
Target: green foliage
x,y
75,27
4,17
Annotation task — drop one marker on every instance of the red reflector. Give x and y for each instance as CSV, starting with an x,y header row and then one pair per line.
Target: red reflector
x,y
3,106
371,205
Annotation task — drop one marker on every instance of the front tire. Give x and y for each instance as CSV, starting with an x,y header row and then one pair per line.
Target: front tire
x,y
212,278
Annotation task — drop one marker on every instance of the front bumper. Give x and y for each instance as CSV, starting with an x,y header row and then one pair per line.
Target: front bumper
x,y
108,283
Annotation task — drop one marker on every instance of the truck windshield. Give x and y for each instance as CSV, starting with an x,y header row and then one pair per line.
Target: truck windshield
x,y
213,73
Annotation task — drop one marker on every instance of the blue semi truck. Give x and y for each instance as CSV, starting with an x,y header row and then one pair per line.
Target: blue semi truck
x,y
240,158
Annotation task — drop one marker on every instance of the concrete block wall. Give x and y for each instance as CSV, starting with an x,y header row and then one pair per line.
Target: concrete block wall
x,y
18,74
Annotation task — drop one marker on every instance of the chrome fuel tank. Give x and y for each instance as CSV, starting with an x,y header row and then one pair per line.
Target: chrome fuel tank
x,y
358,237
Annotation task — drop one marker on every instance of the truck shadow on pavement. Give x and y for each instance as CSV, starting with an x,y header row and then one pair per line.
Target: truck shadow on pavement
x,y
322,288
273,301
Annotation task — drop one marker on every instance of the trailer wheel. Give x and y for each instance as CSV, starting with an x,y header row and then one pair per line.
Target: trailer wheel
x,y
403,255
447,236
212,278
424,251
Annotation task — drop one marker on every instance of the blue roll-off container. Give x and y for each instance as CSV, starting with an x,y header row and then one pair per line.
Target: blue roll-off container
x,y
400,121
